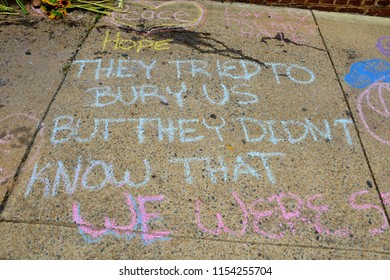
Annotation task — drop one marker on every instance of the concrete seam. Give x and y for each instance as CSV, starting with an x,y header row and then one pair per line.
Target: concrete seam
x,y
286,245
354,122
3,203
215,240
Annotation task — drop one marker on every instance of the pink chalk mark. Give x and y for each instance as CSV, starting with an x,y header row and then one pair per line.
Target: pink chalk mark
x,y
258,216
262,31
320,209
297,38
254,29
288,215
220,224
6,139
384,112
386,198
257,15
273,15
298,14
148,217
109,225
385,224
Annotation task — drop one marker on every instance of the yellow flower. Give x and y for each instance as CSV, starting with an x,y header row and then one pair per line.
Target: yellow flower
x,y
55,14
50,2
44,9
62,11
64,3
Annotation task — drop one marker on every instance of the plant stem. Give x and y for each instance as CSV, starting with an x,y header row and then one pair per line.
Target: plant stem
x,y
21,5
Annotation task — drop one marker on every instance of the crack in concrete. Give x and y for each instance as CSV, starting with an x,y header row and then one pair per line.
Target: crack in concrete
x,y
354,122
3,203
286,245
71,226
203,43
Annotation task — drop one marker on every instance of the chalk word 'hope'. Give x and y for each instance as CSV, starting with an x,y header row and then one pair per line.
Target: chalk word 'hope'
x,y
81,177
234,69
283,202
129,44
139,223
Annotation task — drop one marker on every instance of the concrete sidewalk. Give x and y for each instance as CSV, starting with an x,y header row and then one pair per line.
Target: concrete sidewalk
x,y
195,130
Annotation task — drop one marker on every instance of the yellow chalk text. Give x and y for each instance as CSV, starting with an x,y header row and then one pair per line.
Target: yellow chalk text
x,y
117,42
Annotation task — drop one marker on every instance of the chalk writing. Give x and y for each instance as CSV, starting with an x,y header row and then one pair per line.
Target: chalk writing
x,y
81,177
367,206
12,139
243,69
365,73
384,45
268,130
377,94
67,128
106,96
138,225
301,15
278,206
235,69
241,167
219,83
122,70
149,17
374,75
118,43
386,198
264,25
221,227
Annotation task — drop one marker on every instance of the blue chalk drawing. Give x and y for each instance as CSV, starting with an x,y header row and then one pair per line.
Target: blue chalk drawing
x,y
367,72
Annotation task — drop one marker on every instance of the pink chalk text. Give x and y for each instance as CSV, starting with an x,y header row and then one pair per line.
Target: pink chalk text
x,y
376,98
265,24
278,211
138,224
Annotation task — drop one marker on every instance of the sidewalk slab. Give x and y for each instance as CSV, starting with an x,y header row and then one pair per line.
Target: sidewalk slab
x,y
233,129
34,54
56,242
356,58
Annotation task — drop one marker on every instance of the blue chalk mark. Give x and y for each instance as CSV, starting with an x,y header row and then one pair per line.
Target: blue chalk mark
x,y
367,72
90,239
127,236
